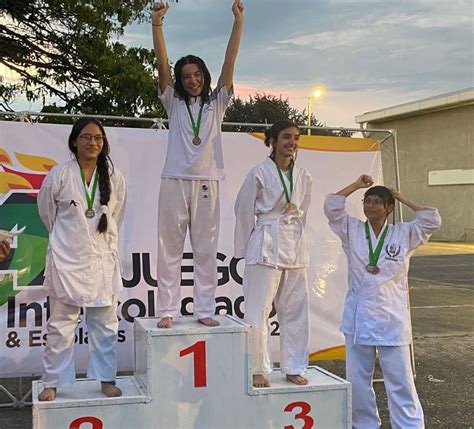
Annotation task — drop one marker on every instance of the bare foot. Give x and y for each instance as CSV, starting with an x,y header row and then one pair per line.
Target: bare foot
x,y
260,381
297,379
209,321
47,394
110,390
165,322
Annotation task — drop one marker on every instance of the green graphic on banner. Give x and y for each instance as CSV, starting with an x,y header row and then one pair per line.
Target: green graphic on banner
x,y
28,259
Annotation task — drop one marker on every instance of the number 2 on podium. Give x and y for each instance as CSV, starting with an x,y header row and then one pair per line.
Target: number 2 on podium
x,y
199,350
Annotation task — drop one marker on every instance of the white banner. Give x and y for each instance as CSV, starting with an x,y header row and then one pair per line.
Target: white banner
x,y
28,151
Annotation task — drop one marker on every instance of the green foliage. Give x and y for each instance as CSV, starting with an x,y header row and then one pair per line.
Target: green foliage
x,y
65,49
268,109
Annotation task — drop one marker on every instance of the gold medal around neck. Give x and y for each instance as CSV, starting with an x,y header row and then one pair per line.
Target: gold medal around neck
x,y
372,269
196,141
289,207
90,213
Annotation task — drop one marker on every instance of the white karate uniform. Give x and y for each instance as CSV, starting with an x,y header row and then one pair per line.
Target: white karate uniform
x,y
189,198
276,256
82,270
376,313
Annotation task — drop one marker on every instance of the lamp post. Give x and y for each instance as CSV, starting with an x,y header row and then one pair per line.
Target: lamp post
x,y
316,94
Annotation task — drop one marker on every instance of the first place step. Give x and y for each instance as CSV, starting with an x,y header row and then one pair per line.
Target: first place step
x,y
196,377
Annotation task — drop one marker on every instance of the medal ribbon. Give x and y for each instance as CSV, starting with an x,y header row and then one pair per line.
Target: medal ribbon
x,y
374,256
196,126
90,198
282,180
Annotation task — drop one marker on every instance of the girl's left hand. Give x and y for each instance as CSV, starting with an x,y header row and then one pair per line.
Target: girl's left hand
x,y
238,9
397,195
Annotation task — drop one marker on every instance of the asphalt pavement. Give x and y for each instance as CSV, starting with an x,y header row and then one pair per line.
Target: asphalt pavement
x,y
442,308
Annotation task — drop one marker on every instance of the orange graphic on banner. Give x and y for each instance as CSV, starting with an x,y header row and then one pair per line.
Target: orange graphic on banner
x,y
35,163
11,178
9,181
333,144
332,353
4,158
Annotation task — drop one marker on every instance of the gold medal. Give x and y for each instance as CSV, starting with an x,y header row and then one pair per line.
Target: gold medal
x,y
372,269
289,207
196,141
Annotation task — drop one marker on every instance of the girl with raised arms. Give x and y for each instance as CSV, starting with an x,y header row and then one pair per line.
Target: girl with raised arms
x,y
270,212
376,313
189,192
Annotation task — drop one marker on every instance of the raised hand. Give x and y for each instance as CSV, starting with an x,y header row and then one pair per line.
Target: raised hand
x,y
158,12
364,181
238,9
397,195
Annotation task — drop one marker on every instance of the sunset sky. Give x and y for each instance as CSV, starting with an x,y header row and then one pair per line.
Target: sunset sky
x,y
366,54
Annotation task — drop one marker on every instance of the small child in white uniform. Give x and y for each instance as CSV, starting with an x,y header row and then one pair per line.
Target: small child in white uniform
x,y
376,312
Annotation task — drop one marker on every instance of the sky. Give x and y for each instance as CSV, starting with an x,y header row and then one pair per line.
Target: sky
x,y
367,55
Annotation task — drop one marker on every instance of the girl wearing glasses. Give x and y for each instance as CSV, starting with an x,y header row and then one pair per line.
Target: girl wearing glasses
x,y
189,192
376,314
270,213
81,203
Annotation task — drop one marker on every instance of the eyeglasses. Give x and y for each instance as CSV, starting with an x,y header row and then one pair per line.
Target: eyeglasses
x,y
86,138
373,202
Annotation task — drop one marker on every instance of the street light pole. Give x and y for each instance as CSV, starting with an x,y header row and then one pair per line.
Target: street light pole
x,y
316,94
310,107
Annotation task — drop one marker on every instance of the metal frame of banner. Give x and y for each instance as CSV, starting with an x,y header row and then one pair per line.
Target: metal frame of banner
x,y
160,123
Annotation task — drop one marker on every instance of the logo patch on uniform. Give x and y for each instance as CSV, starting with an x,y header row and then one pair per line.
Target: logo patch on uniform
x,y
392,250
204,187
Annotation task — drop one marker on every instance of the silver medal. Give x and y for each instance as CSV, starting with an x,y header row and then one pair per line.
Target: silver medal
x,y
90,213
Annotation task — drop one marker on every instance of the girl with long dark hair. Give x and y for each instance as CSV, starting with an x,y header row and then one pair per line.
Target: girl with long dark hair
x,y
270,212
81,203
189,192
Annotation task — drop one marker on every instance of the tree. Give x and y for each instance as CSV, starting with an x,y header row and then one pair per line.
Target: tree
x,y
267,109
64,49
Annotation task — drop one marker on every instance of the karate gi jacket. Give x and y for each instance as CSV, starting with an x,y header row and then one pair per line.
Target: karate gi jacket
x,y
376,310
82,265
264,234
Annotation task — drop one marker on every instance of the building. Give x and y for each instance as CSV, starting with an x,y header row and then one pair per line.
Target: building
x,y
435,140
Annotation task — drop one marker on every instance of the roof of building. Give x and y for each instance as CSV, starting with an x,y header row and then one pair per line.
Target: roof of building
x,y
439,102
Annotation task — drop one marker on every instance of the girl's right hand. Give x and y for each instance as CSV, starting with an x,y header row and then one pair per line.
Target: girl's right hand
x,y
158,12
364,181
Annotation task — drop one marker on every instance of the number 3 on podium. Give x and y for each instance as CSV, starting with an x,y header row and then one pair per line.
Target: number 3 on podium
x,y
199,350
303,415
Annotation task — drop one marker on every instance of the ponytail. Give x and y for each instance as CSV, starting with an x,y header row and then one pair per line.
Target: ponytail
x,y
104,189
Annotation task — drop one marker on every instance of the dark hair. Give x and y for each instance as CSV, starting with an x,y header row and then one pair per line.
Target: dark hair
x,y
383,192
104,163
178,85
275,130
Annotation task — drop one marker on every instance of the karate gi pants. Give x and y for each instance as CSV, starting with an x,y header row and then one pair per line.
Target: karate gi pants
x,y
183,204
403,403
287,288
58,356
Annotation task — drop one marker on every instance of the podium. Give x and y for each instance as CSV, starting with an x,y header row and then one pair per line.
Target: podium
x,y
193,376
